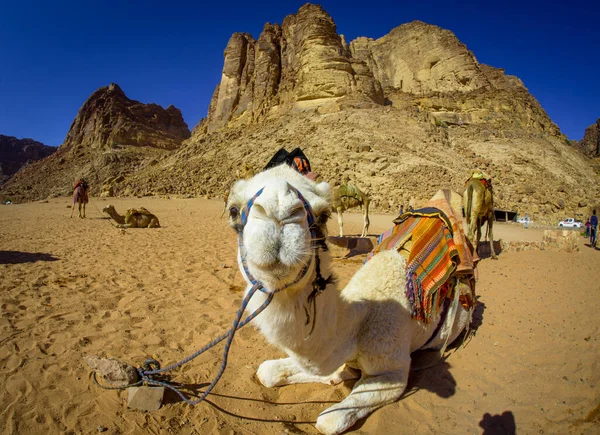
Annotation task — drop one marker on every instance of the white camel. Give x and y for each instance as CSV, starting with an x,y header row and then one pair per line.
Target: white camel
x,y
368,326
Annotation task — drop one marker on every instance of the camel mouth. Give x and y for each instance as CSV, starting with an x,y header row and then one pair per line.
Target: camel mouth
x,y
278,271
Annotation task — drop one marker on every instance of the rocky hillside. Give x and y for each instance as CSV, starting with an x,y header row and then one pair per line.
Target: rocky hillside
x,y
15,153
401,116
111,137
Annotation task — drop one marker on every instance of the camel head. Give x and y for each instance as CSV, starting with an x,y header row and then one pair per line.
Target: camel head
x,y
271,213
110,209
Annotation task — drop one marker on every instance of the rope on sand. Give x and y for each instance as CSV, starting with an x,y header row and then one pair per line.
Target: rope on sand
x,y
146,372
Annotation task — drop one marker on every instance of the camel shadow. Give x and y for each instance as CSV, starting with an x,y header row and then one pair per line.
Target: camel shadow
x,y
356,245
195,391
436,379
17,257
477,319
500,424
484,251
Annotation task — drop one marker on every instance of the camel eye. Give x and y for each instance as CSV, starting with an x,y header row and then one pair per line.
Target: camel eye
x,y
234,212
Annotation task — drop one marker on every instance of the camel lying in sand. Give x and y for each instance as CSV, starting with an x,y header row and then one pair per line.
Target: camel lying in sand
x,y
349,196
280,217
134,218
479,208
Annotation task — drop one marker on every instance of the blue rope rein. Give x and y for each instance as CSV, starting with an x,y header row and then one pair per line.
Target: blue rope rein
x,y
146,374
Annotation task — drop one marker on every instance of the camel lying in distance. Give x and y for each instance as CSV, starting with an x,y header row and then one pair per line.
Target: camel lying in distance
x,y
134,218
478,203
280,217
348,196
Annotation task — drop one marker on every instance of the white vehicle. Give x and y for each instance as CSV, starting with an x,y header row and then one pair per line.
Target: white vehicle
x,y
571,223
524,220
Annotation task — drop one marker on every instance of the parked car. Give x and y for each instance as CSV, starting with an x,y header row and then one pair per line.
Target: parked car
x,y
570,223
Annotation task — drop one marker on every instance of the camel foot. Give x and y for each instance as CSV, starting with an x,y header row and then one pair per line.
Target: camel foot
x,y
274,373
330,422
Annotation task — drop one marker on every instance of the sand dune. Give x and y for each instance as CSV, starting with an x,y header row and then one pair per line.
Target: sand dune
x,y
72,287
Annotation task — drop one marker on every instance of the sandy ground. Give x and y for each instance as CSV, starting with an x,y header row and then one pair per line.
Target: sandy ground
x,y
72,287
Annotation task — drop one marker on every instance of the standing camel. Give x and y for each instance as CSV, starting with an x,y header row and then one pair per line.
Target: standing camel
x,y
80,197
478,202
349,196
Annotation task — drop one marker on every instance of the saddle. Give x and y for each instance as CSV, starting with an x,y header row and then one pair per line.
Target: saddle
x,y
139,211
347,191
438,257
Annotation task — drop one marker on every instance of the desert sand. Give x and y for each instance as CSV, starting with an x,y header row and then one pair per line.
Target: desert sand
x,y
72,287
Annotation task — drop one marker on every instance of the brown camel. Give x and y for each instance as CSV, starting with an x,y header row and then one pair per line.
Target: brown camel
x,y
80,197
134,218
348,196
478,202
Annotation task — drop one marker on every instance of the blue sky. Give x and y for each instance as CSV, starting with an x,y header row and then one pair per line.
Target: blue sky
x,y
54,54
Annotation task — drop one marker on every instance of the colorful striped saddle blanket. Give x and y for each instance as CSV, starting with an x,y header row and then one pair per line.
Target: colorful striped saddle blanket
x,y
437,259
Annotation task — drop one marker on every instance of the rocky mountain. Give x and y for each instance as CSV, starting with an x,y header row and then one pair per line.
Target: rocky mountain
x,y
111,137
401,116
15,153
590,144
109,119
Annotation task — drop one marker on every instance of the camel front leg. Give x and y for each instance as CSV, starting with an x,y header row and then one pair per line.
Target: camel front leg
x,y
490,230
72,210
340,222
79,211
285,371
84,210
366,223
477,235
368,394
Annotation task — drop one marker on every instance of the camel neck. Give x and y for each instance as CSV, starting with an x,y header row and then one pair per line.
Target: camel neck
x,y
288,321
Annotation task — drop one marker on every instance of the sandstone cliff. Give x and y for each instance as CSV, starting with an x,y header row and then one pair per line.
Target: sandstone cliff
x,y
14,153
300,64
108,118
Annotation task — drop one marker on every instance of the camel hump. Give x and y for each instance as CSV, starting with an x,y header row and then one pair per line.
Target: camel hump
x,y
139,211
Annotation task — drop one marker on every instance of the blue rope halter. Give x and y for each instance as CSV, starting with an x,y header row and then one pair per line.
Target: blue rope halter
x,y
146,373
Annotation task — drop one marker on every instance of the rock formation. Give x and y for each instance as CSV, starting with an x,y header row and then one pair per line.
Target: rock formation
x,y
111,137
109,119
296,65
590,144
14,153
401,117
304,64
